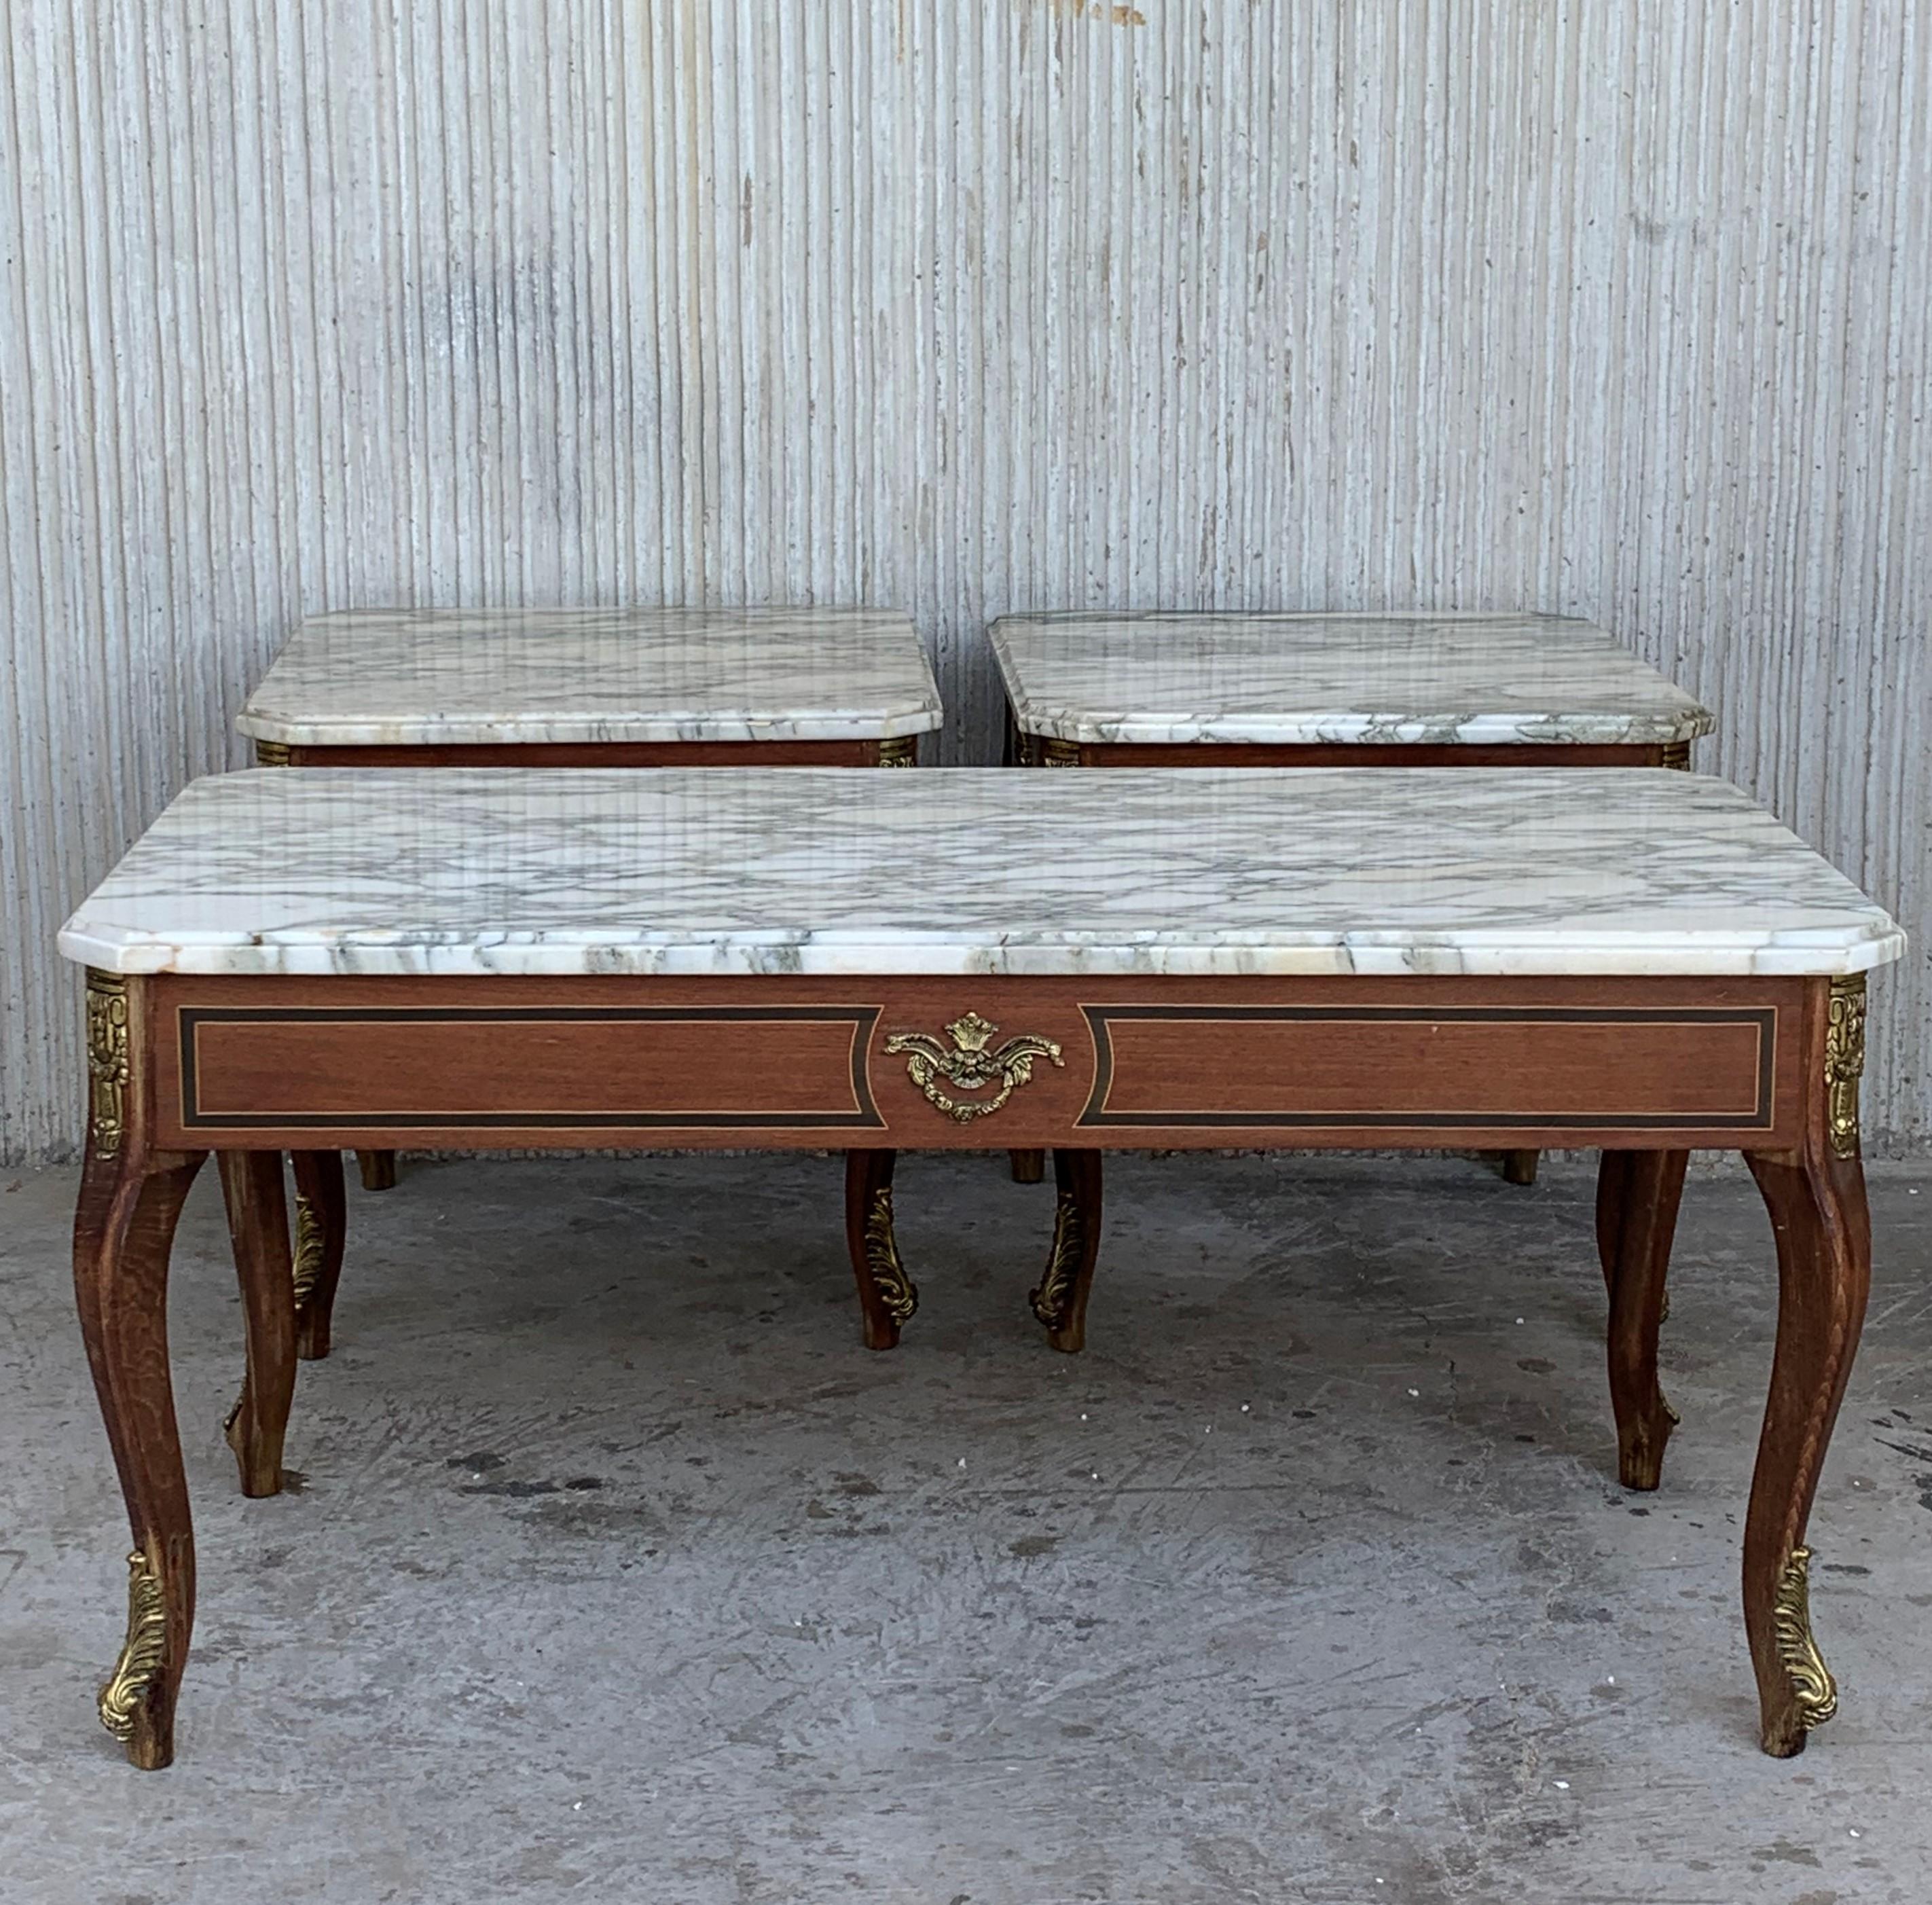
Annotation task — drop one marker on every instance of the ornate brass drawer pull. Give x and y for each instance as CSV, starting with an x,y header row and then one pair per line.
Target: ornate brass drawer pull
x,y
971,1067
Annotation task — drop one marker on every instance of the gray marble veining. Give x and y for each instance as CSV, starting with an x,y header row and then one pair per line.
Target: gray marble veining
x,y
1284,680
430,677
974,870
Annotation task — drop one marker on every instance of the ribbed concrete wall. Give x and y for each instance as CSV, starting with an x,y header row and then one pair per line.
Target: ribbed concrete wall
x,y
1616,308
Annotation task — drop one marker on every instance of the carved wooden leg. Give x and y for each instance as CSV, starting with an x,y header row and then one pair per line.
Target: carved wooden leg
x,y
886,1296
378,1169
1613,1180
1817,1205
124,1228
1060,1301
1637,1196
1029,1167
1519,1167
322,1225
258,1222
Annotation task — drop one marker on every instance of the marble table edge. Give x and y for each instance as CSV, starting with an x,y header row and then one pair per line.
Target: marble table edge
x,y
1814,953
1524,726
1682,718
564,727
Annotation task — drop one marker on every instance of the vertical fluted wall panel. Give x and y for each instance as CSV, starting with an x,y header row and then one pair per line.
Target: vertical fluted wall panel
x,y
1617,307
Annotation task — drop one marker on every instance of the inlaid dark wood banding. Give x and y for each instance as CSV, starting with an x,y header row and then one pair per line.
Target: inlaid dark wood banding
x,y
721,1068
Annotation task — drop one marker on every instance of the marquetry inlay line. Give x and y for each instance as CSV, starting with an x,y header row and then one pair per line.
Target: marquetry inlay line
x,y
858,1022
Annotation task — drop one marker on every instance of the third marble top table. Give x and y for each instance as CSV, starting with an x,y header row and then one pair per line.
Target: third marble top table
x,y
1335,681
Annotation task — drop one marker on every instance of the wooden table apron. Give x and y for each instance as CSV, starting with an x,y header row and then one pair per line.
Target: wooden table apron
x,y
1647,1069
1042,751
901,752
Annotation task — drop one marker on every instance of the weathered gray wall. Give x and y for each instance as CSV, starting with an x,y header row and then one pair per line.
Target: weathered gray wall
x,y
1614,307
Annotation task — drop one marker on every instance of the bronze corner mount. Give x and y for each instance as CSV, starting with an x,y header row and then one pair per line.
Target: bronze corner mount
x,y
109,1069
1845,1061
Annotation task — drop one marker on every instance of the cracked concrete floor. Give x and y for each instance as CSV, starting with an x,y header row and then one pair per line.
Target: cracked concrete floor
x,y
618,1571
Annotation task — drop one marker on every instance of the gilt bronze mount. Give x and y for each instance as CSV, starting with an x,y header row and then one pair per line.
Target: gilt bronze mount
x,y
1049,1300
107,1062
896,1290
1845,1060
971,1066
142,1654
1813,1692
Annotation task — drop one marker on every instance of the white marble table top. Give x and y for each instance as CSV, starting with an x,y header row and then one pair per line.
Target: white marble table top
x,y
1279,680
431,677
833,871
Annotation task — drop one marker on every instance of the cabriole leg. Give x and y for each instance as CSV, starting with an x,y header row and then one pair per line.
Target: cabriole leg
x,y
251,1185
886,1296
1060,1301
1613,1176
1638,1193
130,1200
1817,1206
322,1223
378,1169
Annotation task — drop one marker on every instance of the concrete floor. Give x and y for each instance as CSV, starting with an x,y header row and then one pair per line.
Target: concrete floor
x,y
618,1570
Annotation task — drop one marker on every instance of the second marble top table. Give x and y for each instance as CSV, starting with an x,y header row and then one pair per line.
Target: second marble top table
x,y
1639,962
637,688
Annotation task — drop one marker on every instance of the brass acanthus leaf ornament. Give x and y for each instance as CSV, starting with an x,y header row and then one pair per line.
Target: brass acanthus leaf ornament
x,y
895,1288
972,1063
143,1654
1813,1689
1050,1300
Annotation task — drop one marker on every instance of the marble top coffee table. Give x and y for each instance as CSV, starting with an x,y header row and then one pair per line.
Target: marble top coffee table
x,y
1338,690
631,688
1640,962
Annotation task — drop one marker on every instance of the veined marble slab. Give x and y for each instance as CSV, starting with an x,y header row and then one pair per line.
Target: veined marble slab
x,y
1283,680
974,870
449,677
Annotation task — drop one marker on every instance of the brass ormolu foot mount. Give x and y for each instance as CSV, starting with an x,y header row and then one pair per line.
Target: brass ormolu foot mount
x,y
1814,1691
